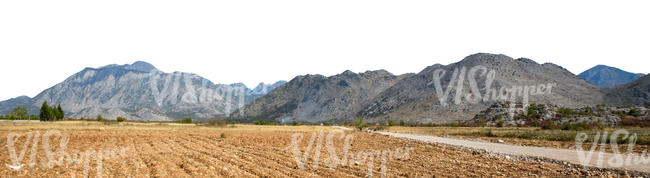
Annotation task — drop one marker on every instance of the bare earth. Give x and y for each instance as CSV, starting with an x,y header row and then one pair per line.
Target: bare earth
x,y
567,155
159,150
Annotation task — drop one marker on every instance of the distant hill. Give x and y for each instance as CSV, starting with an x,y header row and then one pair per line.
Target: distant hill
x,y
633,93
316,98
379,95
415,98
605,76
139,91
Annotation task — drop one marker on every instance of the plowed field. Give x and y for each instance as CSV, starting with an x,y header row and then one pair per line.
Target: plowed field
x,y
252,152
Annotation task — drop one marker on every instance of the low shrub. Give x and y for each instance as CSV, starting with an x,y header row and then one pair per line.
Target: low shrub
x,y
216,122
391,123
187,120
360,124
634,112
500,123
263,122
577,126
629,121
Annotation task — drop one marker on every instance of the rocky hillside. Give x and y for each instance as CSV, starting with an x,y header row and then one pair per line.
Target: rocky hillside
x,y
315,98
634,93
420,99
605,76
141,92
552,115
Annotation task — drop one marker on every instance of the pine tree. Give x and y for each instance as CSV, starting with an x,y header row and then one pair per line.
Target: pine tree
x,y
44,115
51,115
59,112
62,112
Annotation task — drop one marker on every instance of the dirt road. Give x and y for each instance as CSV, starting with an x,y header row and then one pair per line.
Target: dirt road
x,y
598,159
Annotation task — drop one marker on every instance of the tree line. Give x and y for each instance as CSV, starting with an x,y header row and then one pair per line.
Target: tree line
x,y
51,113
19,113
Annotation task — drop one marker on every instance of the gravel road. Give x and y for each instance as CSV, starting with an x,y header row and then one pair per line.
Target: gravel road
x,y
563,155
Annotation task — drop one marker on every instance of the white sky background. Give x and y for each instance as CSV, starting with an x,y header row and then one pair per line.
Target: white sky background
x,y
44,42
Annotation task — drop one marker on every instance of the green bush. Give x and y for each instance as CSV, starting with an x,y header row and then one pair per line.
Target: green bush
x,y
391,123
360,124
121,119
326,123
587,111
294,123
100,118
566,111
402,123
634,112
533,111
618,113
549,125
187,120
263,122
223,135
500,123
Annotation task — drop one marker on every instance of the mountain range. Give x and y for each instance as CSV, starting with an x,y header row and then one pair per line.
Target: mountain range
x,y
315,98
413,97
139,91
437,94
418,99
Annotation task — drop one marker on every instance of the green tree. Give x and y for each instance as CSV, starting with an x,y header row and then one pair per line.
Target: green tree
x,y
391,122
120,119
402,123
59,112
19,112
44,115
100,118
51,114
360,124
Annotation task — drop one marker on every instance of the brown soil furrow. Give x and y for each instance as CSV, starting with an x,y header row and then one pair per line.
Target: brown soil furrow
x,y
232,164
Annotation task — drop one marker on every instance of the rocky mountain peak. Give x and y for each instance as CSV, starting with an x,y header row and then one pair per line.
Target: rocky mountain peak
x,y
348,74
526,60
140,66
605,76
139,92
